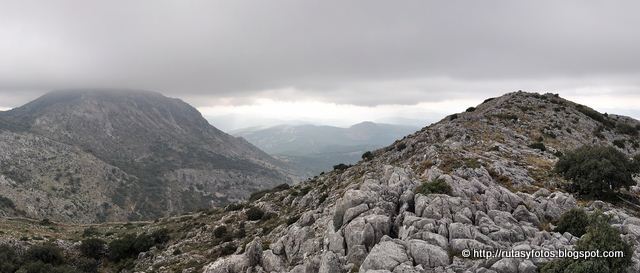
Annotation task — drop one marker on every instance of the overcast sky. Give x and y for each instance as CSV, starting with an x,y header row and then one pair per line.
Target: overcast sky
x,y
248,63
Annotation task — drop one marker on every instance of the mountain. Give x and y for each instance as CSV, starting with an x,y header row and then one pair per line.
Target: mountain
x,y
479,180
109,155
312,149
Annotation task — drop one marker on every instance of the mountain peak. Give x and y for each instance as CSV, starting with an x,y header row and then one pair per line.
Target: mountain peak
x,y
163,145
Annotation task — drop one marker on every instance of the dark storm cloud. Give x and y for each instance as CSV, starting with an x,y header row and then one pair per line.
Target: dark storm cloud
x,y
359,52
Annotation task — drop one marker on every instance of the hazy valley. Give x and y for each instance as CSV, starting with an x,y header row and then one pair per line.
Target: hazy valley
x,y
313,149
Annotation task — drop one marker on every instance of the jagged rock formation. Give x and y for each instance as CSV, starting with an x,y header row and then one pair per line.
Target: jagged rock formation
x,y
91,156
369,218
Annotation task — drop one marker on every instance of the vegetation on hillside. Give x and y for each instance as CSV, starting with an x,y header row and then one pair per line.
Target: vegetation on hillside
x,y
597,171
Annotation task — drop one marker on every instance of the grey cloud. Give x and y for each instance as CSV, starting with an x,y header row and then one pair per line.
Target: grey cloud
x,y
364,52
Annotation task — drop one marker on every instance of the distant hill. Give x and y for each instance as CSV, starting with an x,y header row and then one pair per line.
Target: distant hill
x,y
87,156
312,149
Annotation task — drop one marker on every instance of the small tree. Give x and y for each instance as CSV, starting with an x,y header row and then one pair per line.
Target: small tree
x,y
574,221
599,236
254,214
92,248
596,171
367,155
603,237
340,167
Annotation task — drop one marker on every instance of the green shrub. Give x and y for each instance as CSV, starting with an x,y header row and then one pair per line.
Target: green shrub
x,y
627,129
603,237
129,246
254,213
401,146
87,265
220,231
143,243
636,164
538,146
90,231
620,143
340,167
6,203
229,248
595,115
367,155
596,171
599,236
9,260
234,207
574,221
122,248
160,236
470,109
35,267
436,186
557,266
47,253
92,248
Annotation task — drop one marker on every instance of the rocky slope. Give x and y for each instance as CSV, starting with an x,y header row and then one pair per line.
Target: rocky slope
x,y
87,156
313,149
369,218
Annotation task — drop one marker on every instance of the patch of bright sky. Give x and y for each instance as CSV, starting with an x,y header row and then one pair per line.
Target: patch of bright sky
x,y
326,113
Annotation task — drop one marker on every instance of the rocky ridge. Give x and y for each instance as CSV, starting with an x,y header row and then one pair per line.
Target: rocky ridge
x,y
369,218
505,196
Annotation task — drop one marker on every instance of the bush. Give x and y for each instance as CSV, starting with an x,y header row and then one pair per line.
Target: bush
x,y
229,248
367,155
603,237
220,231
538,145
470,109
87,265
47,253
122,248
595,115
574,221
9,260
143,243
627,129
234,207
6,203
436,186
620,143
90,231
35,267
401,147
596,171
92,248
340,167
254,214
129,246
599,236
160,236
